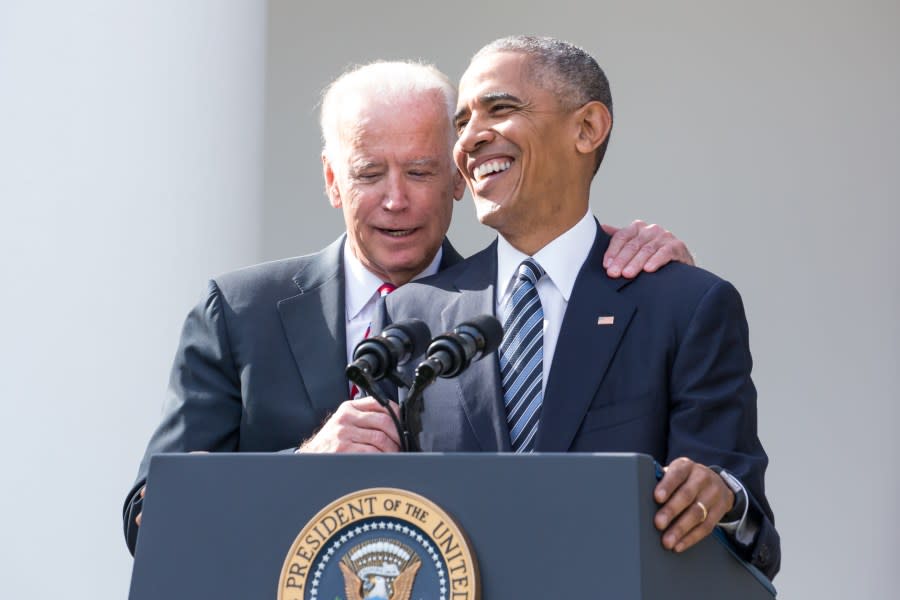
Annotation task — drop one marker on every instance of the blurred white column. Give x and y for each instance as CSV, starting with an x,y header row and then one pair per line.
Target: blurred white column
x,y
130,171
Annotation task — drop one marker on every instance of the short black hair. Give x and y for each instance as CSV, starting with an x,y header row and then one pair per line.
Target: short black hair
x,y
563,68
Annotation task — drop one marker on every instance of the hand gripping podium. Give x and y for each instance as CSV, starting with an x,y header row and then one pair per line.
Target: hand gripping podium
x,y
539,526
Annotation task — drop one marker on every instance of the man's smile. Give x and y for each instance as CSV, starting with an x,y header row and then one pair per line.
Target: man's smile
x,y
490,167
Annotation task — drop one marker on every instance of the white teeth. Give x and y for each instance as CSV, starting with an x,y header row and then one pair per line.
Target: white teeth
x,y
491,166
398,232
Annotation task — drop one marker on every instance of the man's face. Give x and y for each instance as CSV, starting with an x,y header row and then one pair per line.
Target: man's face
x,y
514,142
394,179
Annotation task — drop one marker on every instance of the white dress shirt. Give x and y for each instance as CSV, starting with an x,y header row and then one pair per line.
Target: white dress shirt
x,y
561,259
361,295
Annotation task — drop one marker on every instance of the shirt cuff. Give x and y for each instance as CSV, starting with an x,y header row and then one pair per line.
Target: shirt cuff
x,y
743,530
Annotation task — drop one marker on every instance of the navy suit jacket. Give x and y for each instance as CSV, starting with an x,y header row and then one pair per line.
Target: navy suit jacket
x,y
260,364
670,377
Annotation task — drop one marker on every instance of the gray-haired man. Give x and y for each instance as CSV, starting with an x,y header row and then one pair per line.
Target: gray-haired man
x,y
260,365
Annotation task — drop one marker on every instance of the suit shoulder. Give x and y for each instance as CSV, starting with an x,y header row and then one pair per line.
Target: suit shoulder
x,y
433,288
448,279
259,276
678,277
680,289
277,279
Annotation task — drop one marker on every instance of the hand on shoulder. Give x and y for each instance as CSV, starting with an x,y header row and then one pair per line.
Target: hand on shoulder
x,y
640,246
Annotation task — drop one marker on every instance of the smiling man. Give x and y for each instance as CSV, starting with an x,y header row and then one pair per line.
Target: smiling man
x,y
260,365
588,363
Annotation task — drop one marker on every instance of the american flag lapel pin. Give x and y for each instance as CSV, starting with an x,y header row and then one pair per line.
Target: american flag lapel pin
x,y
606,320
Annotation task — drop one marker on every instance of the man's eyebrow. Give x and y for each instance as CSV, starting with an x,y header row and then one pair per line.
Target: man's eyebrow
x,y
424,162
497,96
363,164
489,98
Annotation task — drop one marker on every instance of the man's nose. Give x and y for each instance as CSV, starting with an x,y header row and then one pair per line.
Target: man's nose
x,y
396,197
475,134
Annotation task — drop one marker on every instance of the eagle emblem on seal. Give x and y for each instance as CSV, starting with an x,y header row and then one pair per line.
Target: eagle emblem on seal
x,y
379,569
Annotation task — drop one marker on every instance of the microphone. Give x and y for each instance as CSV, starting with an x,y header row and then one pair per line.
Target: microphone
x,y
451,353
448,355
378,356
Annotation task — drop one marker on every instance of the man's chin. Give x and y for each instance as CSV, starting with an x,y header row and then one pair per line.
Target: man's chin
x,y
488,212
403,267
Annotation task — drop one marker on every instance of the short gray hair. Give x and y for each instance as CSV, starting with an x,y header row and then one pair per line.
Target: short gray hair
x,y
385,81
562,68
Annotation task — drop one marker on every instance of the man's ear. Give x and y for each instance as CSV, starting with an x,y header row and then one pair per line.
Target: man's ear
x,y
593,122
331,187
459,185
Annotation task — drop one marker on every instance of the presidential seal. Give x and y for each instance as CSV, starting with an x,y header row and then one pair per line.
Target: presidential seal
x,y
380,544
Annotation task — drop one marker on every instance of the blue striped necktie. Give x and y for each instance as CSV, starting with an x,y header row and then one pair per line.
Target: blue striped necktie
x,y
522,357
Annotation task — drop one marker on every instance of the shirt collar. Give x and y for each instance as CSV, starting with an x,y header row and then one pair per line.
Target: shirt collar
x,y
561,259
361,285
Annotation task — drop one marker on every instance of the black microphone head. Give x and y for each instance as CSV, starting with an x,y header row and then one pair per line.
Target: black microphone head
x,y
469,341
413,334
372,355
490,330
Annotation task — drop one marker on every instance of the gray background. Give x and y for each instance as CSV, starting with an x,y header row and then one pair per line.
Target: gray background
x,y
145,146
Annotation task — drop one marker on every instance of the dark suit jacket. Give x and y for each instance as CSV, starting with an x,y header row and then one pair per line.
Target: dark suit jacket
x,y
669,378
260,364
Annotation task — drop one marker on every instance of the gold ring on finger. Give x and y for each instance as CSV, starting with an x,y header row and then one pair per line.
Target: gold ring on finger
x,y
705,511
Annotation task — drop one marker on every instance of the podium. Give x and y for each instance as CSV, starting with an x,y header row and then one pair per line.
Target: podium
x,y
541,526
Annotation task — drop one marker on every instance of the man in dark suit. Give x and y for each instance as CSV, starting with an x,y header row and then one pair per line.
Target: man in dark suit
x,y
260,365
659,365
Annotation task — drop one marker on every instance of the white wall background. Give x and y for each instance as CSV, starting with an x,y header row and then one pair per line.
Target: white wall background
x,y
147,145
130,170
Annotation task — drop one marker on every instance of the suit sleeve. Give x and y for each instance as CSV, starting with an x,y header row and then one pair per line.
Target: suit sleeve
x,y
203,406
713,414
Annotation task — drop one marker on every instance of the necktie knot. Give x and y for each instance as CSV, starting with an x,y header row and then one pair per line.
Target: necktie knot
x,y
529,270
385,288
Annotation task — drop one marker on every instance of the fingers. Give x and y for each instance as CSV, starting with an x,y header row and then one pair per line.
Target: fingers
x,y
693,525
360,425
668,248
642,247
609,229
137,519
641,261
685,486
617,255
675,475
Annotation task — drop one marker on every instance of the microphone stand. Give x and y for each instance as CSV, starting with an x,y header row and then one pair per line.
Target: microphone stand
x,y
411,409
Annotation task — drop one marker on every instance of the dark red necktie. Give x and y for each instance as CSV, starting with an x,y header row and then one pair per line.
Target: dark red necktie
x,y
383,290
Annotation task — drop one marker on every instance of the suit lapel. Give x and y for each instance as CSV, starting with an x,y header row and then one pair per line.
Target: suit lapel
x,y
478,387
584,350
315,325
449,256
